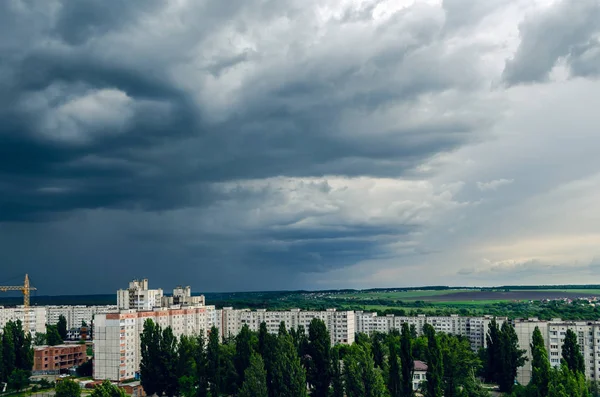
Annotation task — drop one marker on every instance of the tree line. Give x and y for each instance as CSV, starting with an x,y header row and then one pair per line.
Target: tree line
x,y
296,363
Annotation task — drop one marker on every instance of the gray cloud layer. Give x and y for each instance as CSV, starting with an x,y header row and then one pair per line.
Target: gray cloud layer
x,y
257,144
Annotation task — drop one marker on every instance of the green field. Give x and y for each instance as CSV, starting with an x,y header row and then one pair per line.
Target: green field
x,y
396,295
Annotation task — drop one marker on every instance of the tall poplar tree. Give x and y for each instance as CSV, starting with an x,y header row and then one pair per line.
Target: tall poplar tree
x,y
255,379
540,366
61,327
511,357
492,351
150,370
8,350
394,383
337,382
289,377
407,363
377,348
361,378
319,348
243,352
267,346
213,362
571,353
435,365
201,362
168,363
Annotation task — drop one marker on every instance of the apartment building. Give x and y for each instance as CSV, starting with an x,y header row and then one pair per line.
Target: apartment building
x,y
474,328
75,315
53,359
35,316
340,324
554,331
139,297
182,296
117,336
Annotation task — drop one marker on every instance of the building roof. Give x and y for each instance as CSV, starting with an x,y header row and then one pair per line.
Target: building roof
x,y
44,347
420,366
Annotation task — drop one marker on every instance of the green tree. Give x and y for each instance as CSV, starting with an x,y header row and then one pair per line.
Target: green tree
x,y
460,365
540,366
493,348
186,357
61,327
377,348
24,351
267,347
413,331
67,388
319,349
301,341
53,337
201,364
255,379
243,352
394,382
435,365
8,351
419,348
571,353
337,382
228,374
150,364
213,362
282,329
566,383
511,357
407,363
289,377
18,380
39,339
107,389
168,363
187,386
361,378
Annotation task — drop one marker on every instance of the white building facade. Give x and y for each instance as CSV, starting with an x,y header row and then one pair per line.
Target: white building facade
x,y
75,315
117,344
35,317
554,331
340,324
474,328
139,297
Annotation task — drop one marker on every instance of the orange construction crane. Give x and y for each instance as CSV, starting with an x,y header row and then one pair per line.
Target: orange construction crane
x,y
25,289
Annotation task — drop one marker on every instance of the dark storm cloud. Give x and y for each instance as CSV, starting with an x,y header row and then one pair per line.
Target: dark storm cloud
x,y
567,30
121,117
288,127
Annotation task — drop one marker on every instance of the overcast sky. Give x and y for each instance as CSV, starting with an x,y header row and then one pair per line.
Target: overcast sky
x,y
286,144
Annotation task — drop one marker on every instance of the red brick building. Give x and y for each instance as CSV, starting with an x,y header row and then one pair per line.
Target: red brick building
x,y
57,358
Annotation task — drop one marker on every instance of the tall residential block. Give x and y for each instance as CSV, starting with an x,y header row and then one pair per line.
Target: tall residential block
x,y
139,297
554,331
117,343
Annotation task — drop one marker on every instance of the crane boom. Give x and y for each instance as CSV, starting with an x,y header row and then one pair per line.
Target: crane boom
x,y
26,288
